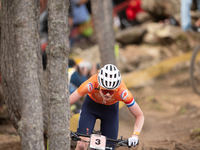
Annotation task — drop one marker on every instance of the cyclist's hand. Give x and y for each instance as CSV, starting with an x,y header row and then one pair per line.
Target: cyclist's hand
x,y
133,141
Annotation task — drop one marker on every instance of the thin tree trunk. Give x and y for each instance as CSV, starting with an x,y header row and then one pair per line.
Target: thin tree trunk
x,y
19,69
57,67
103,24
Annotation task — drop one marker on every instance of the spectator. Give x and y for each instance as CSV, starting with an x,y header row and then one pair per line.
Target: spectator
x,y
127,11
79,10
186,17
131,11
94,69
78,75
81,19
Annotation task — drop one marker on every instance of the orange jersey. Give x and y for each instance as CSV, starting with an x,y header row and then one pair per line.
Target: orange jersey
x,y
91,87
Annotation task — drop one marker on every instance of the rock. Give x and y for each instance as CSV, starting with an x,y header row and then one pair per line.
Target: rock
x,y
130,35
164,8
150,37
158,33
134,57
143,17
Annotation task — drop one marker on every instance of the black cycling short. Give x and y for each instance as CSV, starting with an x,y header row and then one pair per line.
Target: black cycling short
x,y
108,114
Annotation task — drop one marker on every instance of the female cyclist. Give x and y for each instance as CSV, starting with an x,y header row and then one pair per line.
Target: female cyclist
x,y
104,91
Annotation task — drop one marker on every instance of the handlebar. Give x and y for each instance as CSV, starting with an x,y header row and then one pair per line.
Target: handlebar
x,y
118,142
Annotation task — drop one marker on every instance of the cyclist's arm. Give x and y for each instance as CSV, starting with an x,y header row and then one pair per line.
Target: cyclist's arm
x,y
138,114
85,87
74,97
126,96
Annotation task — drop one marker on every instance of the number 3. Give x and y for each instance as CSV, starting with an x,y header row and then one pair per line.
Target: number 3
x,y
98,142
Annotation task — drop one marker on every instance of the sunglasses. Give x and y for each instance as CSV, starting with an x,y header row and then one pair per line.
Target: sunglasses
x,y
111,92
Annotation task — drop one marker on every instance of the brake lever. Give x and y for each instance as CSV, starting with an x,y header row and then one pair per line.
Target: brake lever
x,y
123,142
75,137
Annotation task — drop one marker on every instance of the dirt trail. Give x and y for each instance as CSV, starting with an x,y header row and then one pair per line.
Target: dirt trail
x,y
171,109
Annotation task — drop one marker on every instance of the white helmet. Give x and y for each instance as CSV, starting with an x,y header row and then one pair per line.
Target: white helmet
x,y
109,77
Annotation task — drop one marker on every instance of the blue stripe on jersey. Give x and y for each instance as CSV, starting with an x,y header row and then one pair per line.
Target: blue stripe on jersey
x,y
131,104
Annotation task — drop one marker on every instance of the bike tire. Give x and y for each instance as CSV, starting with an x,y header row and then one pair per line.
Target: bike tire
x,y
195,70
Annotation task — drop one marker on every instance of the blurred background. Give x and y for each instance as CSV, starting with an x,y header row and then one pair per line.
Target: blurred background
x,y
153,51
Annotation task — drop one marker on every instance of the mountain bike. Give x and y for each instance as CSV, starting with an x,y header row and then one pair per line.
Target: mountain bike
x,y
195,69
98,141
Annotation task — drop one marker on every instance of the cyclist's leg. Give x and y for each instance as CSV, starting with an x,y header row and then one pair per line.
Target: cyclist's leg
x,y
110,122
86,123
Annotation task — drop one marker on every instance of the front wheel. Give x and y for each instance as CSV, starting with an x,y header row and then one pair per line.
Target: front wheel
x,y
195,69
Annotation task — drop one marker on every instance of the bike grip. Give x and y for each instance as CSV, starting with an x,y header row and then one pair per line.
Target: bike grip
x,y
126,142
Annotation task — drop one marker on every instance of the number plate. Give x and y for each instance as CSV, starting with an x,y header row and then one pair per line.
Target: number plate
x,y
98,141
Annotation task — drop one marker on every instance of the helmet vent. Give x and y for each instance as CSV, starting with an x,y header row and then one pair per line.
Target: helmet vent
x,y
102,83
117,82
109,77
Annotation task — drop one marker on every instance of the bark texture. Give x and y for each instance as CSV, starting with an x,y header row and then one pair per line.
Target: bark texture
x,y
103,25
57,67
19,62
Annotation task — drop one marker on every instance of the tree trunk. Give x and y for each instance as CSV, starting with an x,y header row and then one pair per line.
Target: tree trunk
x,y
19,70
57,67
103,25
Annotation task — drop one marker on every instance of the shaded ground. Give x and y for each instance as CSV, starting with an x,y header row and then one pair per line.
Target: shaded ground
x,y
171,110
